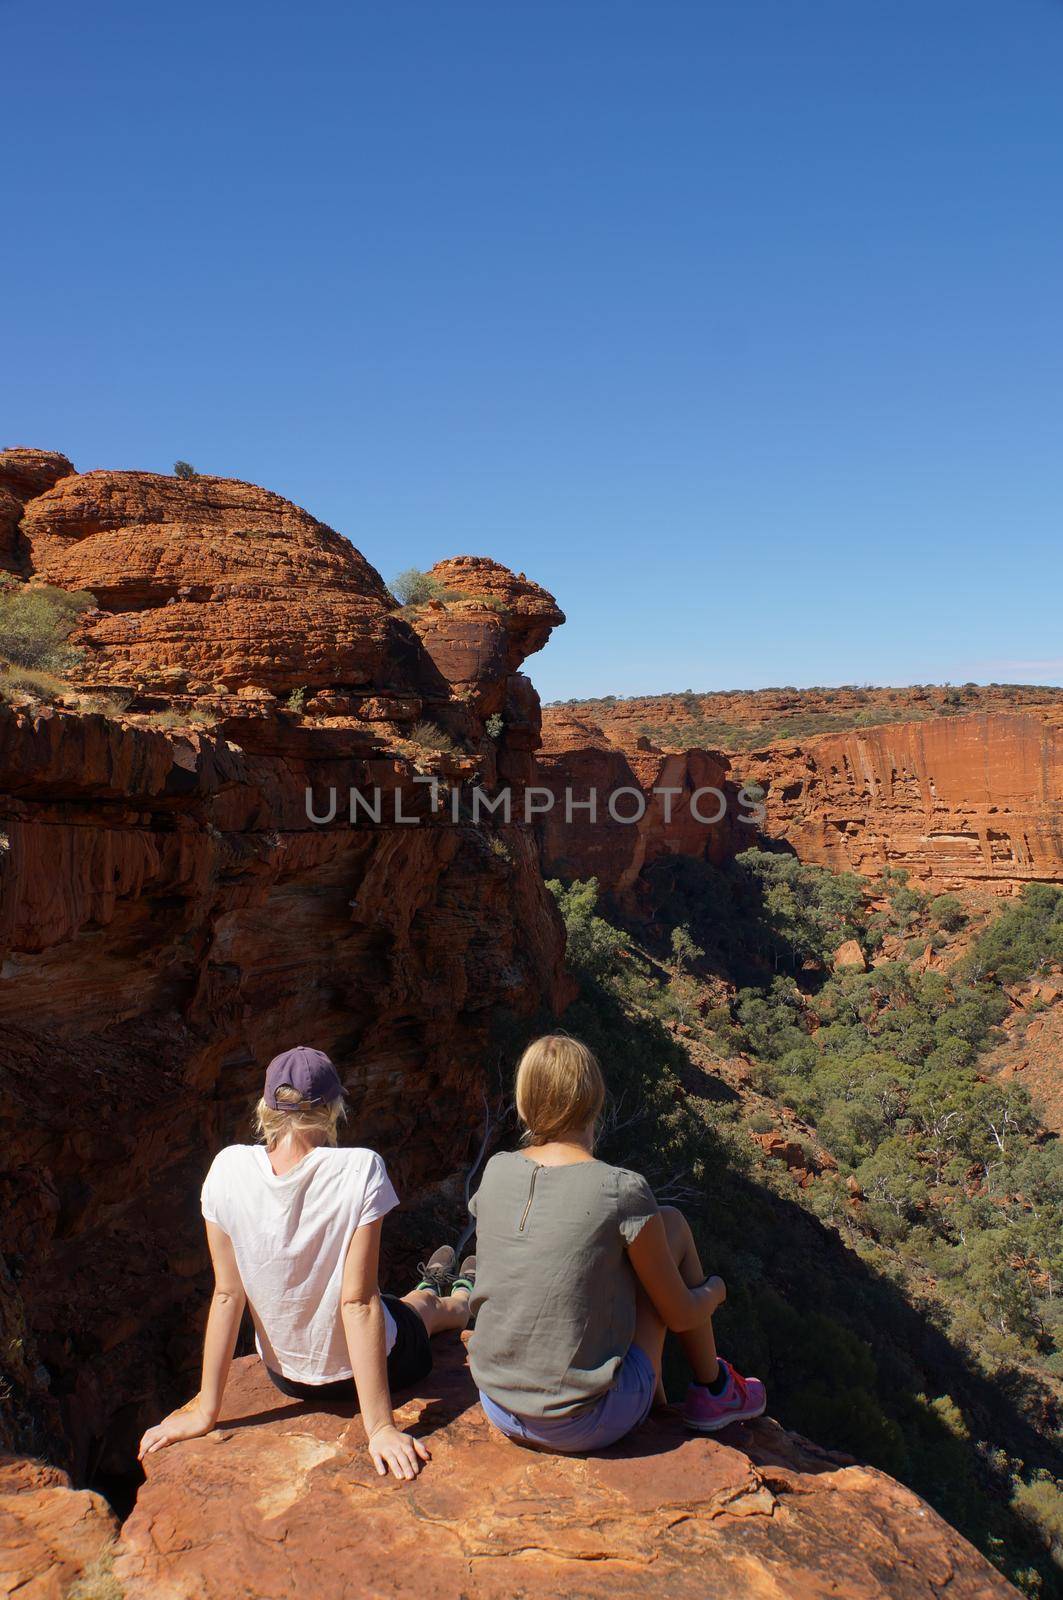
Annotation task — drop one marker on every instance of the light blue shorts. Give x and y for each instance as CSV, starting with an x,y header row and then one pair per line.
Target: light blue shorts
x,y
619,1410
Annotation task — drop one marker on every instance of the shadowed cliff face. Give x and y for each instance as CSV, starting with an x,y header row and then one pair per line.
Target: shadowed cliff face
x,y
578,759
170,916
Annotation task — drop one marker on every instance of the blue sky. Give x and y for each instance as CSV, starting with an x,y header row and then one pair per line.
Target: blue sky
x,y
737,323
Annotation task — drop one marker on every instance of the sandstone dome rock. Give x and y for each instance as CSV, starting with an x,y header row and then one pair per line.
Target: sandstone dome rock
x,y
282,1501
219,578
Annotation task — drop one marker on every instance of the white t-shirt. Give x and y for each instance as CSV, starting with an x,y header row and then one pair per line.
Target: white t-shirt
x,y
291,1236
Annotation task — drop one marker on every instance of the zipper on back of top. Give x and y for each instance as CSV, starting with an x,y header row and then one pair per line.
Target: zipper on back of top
x,y
531,1196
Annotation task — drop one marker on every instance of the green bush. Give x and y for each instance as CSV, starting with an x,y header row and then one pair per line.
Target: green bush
x,y
494,725
413,587
184,469
35,625
1025,938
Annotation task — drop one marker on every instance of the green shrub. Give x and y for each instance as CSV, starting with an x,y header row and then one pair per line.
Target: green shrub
x,y
296,700
494,725
184,469
1027,936
35,623
413,587
948,912
593,944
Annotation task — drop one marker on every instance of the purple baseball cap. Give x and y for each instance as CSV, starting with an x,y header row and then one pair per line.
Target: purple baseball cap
x,y
309,1072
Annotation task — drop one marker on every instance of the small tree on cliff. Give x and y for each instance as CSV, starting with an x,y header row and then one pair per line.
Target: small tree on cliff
x,y
413,587
184,469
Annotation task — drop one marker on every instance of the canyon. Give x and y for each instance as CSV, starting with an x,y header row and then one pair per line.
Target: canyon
x,y
170,915
968,801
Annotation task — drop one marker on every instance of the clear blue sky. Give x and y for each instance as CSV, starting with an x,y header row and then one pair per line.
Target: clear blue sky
x,y
737,323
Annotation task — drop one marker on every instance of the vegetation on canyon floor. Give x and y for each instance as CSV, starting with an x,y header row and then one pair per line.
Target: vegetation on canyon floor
x,y
902,1301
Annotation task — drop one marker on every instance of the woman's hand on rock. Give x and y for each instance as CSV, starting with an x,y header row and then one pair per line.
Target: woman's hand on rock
x,y
397,1452
190,1422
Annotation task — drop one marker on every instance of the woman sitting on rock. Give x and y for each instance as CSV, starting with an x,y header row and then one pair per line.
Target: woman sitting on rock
x,y
293,1226
580,1273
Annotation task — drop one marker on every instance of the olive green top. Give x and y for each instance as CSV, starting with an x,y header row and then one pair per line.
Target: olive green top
x,y
555,1293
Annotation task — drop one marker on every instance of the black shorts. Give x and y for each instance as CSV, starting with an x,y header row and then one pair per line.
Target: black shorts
x,y
410,1360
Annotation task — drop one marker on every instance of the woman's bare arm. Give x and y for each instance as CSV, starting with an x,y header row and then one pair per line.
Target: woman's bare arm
x,y
679,1307
223,1324
363,1325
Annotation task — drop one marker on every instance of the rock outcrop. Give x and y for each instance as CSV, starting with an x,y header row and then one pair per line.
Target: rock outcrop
x,y
282,1500
24,474
51,1535
219,583
646,804
960,801
173,911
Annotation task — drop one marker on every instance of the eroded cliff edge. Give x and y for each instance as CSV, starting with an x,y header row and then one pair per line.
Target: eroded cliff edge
x,y
170,915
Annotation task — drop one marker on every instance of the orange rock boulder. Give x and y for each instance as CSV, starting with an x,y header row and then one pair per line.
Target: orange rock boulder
x,y
50,1534
282,1500
216,580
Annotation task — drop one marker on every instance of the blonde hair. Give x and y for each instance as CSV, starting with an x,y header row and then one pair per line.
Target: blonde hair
x,y
560,1089
318,1122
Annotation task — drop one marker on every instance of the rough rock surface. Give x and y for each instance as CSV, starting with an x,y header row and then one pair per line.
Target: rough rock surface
x,y
957,801
219,580
578,757
169,918
753,719
960,802
283,1501
491,621
23,475
50,1534
170,915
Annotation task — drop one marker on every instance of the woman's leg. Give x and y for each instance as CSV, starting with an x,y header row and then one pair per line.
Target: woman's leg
x,y
439,1313
698,1343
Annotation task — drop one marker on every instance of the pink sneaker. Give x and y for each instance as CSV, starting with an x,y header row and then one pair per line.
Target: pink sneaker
x,y
741,1400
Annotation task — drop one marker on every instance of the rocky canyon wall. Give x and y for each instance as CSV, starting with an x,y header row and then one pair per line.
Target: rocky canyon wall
x,y
170,916
960,801
966,801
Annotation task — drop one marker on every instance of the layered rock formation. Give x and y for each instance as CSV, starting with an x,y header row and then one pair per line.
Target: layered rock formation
x,y
283,1501
646,803
974,800
170,915
958,802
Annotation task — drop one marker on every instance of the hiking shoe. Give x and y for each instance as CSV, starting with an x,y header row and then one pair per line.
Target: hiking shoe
x,y
466,1278
740,1400
437,1272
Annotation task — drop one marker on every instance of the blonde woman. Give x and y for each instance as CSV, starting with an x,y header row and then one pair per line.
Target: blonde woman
x,y
579,1275
293,1225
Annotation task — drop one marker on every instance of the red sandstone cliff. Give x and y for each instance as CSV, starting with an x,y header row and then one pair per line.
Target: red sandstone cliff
x,y
170,916
957,801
